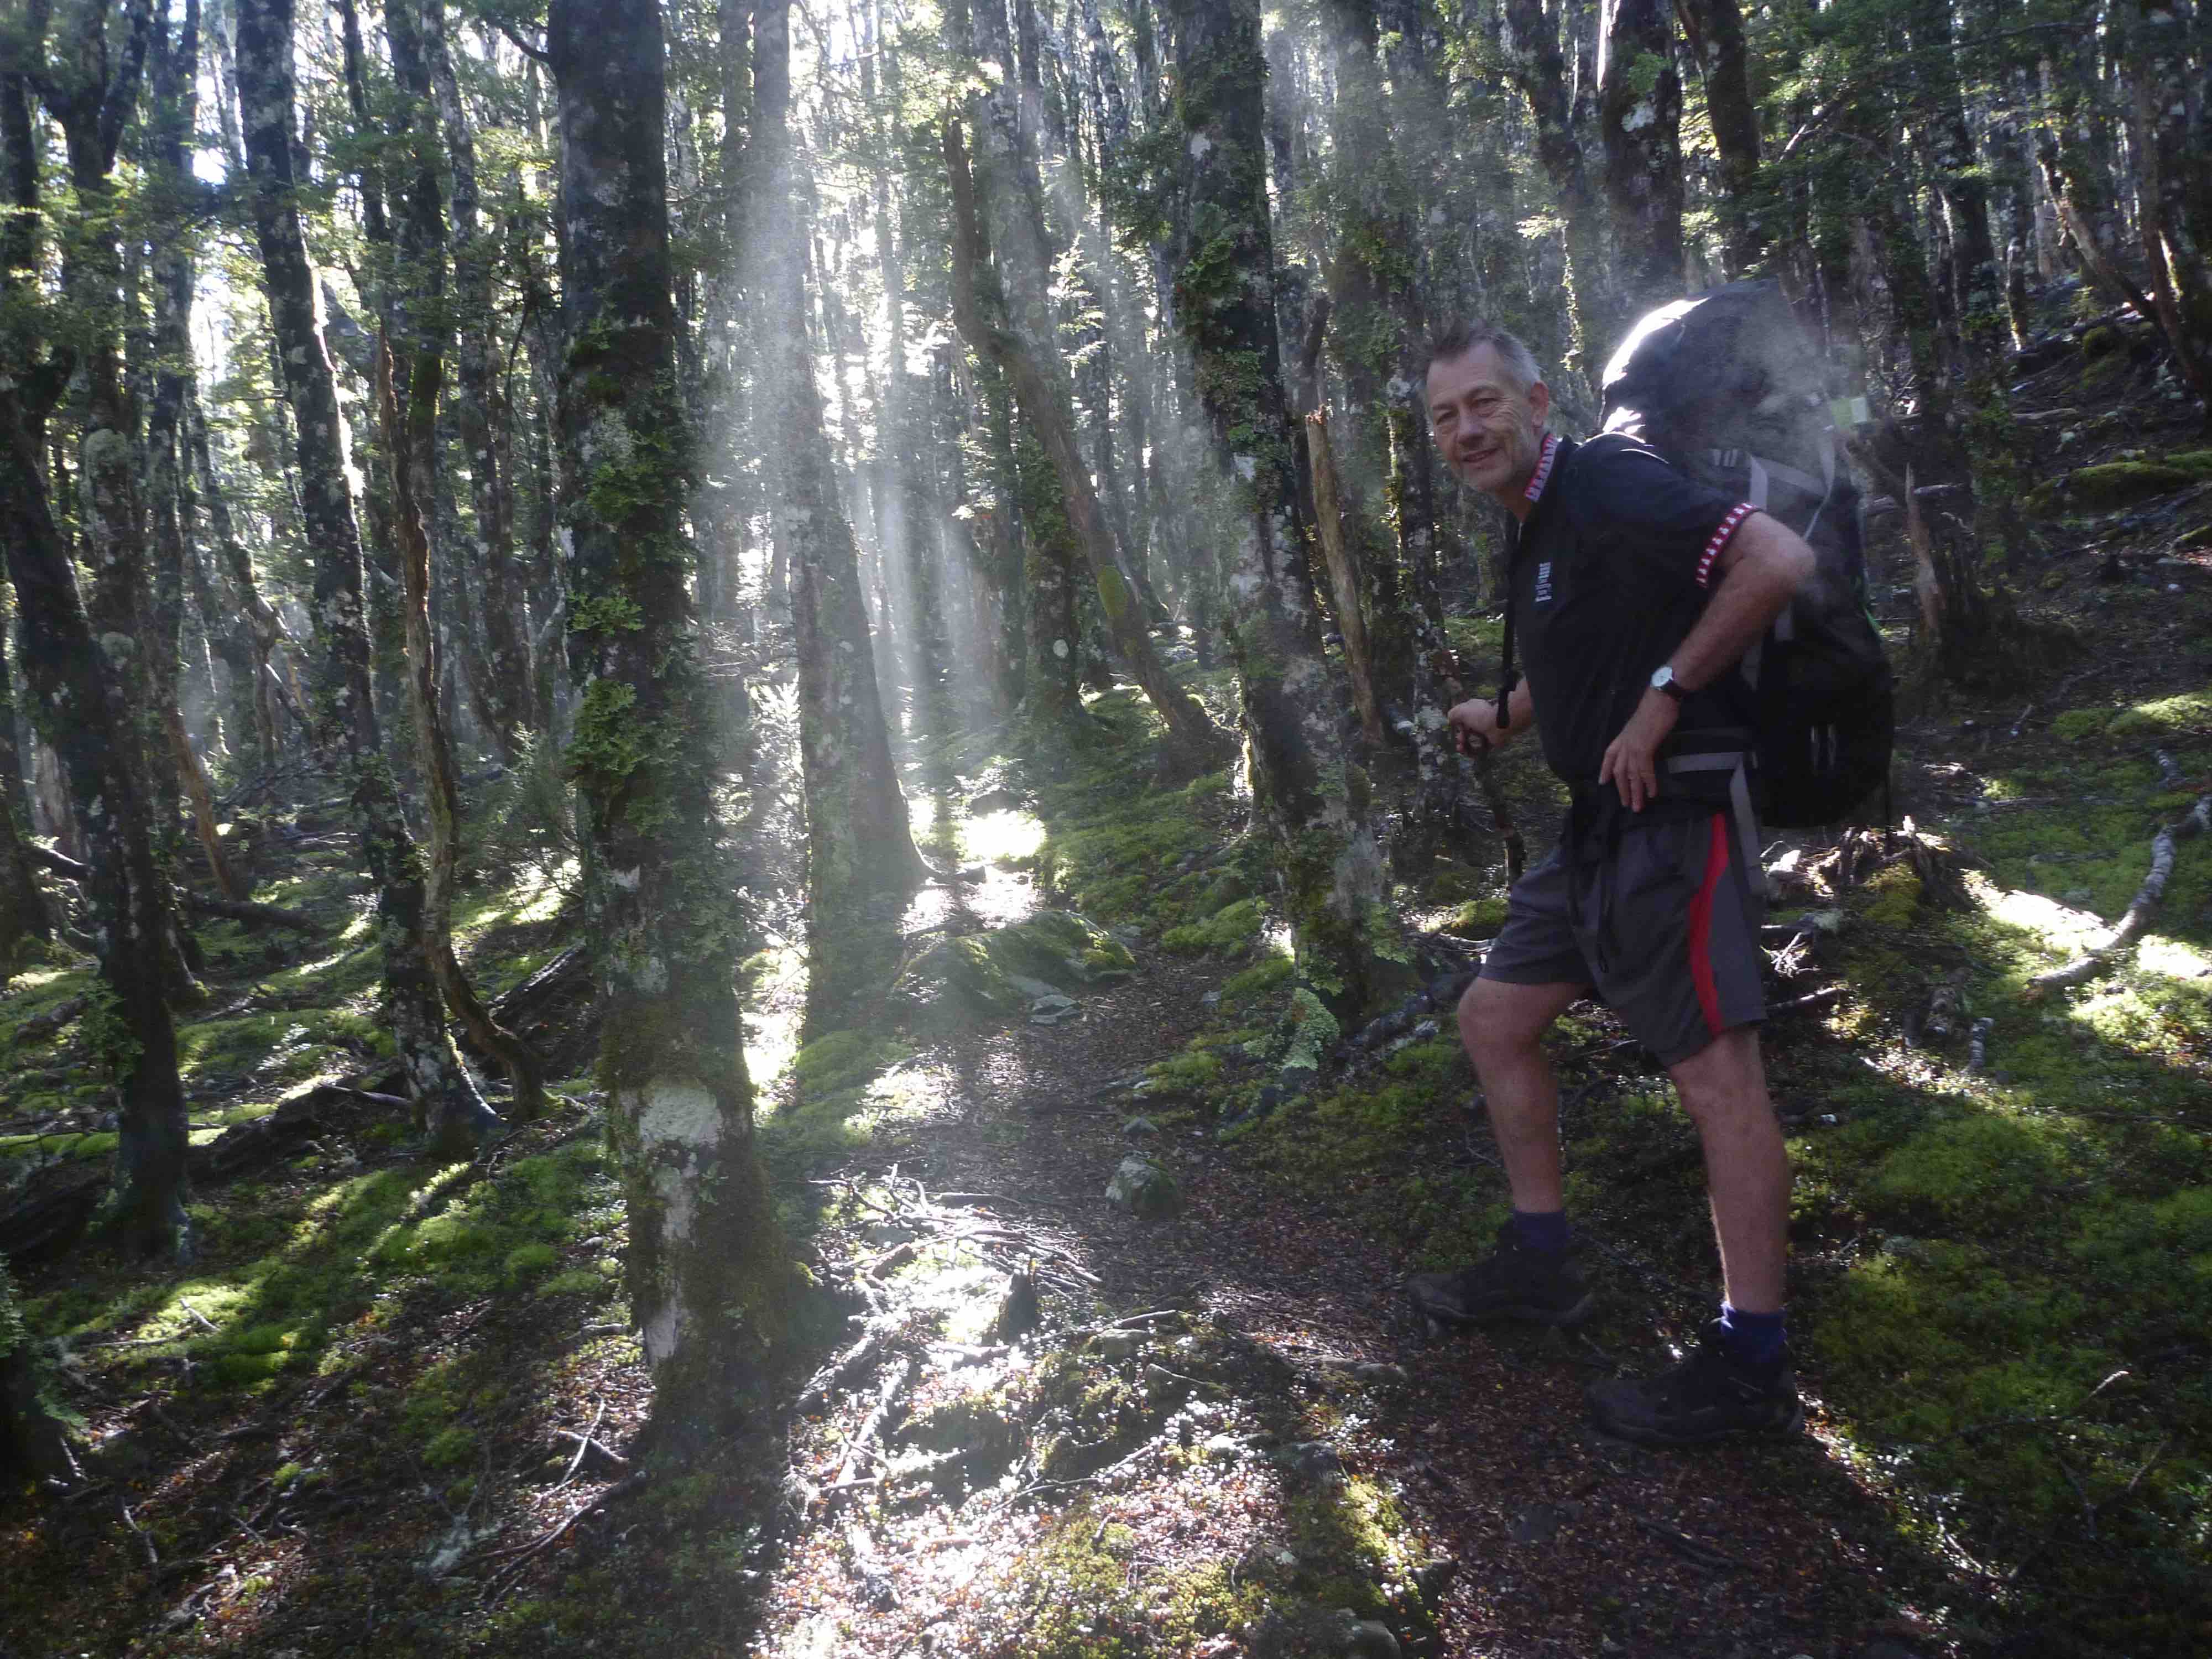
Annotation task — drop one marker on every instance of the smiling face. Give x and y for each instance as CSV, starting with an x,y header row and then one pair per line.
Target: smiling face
x,y
1488,427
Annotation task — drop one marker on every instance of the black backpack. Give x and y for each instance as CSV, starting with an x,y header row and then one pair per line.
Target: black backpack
x,y
1727,385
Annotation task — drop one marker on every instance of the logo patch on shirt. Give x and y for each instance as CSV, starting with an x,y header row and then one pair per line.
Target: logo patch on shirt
x,y
1544,583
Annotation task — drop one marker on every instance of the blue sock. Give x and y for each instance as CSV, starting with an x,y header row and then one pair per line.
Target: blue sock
x,y
1542,1229
1755,1339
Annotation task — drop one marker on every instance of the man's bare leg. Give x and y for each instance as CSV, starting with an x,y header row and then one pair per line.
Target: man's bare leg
x,y
1524,1279
1723,1089
1502,1026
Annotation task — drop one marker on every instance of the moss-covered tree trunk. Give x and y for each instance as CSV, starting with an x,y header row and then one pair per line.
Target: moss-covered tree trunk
x,y
24,917
91,90
708,1276
83,714
1640,130
344,708
861,863
1314,800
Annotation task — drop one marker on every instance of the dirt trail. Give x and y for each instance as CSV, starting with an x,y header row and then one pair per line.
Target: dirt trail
x,y
1278,1443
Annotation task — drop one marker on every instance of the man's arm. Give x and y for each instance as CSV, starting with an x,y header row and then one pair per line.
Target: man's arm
x,y
1761,566
1475,721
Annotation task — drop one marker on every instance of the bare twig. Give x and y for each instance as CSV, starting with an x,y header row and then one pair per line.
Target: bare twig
x,y
1687,1547
145,1540
584,1443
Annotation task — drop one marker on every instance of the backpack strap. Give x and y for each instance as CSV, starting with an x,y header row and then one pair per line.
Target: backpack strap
x,y
1737,764
1507,678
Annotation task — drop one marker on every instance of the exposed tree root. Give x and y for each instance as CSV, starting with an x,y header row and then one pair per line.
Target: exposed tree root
x,y
2092,963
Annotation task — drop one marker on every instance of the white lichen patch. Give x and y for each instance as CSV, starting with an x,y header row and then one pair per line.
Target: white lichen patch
x,y
678,1114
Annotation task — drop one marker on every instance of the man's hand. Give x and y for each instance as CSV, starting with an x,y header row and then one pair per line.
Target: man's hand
x,y
1631,760
1475,725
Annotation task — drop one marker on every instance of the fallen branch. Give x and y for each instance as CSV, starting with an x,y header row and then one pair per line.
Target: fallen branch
x,y
1977,1053
2097,960
512,1573
584,1443
862,1443
1811,1000
587,1443
60,863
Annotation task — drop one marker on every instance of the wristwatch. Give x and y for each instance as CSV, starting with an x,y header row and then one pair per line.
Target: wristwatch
x,y
1662,679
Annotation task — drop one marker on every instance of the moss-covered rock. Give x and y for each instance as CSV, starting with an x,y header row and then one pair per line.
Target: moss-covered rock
x,y
1225,932
996,975
1143,1189
1479,918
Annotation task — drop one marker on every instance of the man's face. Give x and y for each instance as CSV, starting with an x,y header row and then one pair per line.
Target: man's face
x,y
1488,427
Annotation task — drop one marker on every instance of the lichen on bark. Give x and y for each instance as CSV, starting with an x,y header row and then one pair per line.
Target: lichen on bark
x,y
708,1277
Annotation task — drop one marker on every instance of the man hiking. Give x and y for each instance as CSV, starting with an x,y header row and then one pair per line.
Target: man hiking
x,y
1634,592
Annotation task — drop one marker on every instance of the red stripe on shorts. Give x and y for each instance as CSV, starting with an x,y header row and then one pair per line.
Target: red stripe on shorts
x,y
1701,926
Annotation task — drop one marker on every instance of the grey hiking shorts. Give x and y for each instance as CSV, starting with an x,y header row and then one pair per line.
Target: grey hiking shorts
x,y
1657,918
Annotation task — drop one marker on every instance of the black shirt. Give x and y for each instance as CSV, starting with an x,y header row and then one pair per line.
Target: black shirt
x,y
1610,573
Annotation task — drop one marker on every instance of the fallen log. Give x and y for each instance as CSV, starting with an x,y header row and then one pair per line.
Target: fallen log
x,y
2101,957
45,1025
63,1197
56,1212
245,910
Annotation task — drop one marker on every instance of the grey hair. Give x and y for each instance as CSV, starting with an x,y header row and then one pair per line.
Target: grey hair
x,y
1464,335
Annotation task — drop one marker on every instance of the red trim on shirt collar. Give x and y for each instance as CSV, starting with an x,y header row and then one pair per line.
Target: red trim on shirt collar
x,y
1542,474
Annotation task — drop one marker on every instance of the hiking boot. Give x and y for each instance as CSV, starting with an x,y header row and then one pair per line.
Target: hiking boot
x,y
1708,1396
1513,1282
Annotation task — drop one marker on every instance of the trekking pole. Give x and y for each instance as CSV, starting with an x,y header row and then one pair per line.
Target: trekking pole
x,y
1493,792
1445,662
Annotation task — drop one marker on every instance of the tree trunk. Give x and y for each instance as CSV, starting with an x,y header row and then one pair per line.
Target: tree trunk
x,y
1640,123
1033,364
254,625
1343,577
506,700
344,711
861,860
1537,67
23,913
2173,182
1718,37
131,1032
175,84
415,370
709,1285
2077,183
1305,788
